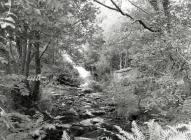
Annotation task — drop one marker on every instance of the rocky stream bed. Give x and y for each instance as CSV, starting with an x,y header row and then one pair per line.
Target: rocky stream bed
x,y
83,113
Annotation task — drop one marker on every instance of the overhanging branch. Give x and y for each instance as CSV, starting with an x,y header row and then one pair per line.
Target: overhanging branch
x,y
118,9
121,11
104,5
138,7
46,47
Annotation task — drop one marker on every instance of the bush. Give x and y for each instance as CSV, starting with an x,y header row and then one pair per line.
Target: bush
x,y
153,96
124,98
95,86
155,132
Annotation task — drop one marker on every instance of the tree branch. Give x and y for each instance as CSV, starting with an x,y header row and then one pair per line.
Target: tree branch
x,y
111,8
118,9
138,7
46,47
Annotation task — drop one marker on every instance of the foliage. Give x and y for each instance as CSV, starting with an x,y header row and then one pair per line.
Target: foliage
x,y
34,35
124,98
155,131
162,58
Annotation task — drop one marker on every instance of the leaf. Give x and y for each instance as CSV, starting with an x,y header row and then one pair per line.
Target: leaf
x,y
9,13
3,61
8,3
5,24
37,11
65,136
9,19
54,4
24,91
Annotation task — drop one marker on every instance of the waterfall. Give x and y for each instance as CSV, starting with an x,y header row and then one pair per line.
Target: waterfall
x,y
84,74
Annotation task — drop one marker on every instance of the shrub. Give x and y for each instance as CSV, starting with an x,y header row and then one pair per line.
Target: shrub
x,y
95,86
157,96
156,132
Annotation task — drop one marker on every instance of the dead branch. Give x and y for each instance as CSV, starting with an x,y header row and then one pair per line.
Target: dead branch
x,y
138,7
118,9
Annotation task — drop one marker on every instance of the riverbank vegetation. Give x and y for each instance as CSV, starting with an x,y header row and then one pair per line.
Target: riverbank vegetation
x,y
140,70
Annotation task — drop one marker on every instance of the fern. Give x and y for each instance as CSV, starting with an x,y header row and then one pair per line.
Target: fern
x,y
65,136
156,132
124,134
137,132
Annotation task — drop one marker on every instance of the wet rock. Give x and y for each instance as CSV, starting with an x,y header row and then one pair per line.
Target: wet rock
x,y
109,127
86,114
79,130
108,108
48,132
67,118
101,134
87,90
73,112
96,95
94,134
92,121
99,112
83,138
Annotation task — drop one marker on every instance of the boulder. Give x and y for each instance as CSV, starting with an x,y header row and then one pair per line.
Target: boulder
x,y
92,121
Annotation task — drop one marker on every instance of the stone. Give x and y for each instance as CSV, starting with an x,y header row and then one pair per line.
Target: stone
x,y
87,90
86,114
99,112
83,138
92,121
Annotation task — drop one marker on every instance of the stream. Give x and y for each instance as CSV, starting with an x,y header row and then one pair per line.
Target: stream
x,y
82,111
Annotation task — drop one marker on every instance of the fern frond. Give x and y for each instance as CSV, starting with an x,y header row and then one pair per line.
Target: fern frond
x,y
137,132
108,138
124,133
65,136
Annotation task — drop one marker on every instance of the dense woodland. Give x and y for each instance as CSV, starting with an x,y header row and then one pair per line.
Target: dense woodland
x,y
44,97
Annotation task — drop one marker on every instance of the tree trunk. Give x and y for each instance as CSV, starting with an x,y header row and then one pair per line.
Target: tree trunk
x,y
36,88
19,51
8,66
120,60
24,49
187,83
166,7
28,59
23,58
27,65
125,65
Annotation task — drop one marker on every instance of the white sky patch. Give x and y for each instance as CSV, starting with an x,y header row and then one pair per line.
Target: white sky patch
x,y
111,17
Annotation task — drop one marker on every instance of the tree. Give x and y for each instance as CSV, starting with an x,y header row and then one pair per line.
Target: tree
x,y
161,57
34,31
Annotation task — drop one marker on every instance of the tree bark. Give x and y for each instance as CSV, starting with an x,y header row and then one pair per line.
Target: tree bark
x,y
23,58
24,49
120,60
125,65
166,7
36,88
28,59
